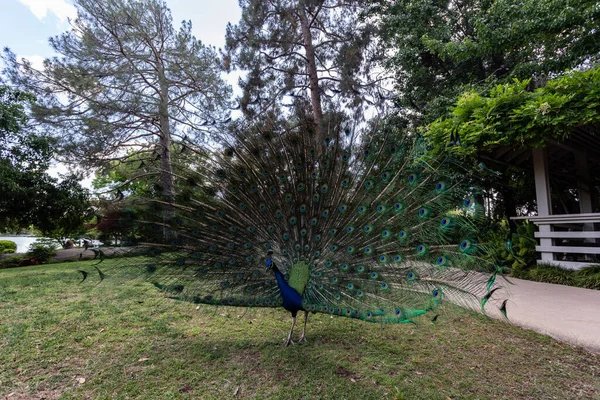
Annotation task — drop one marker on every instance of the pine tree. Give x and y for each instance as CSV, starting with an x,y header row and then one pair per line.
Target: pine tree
x,y
125,80
316,52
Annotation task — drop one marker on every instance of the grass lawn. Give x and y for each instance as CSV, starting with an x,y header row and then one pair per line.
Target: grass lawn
x,y
62,340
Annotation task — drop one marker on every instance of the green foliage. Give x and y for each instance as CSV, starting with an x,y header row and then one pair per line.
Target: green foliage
x,y
11,261
440,49
511,114
588,277
516,251
42,250
7,246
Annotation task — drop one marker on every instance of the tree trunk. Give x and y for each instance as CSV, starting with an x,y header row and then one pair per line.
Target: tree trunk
x,y
315,91
166,169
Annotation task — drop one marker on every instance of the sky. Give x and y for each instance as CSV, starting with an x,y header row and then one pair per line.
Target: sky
x,y
26,26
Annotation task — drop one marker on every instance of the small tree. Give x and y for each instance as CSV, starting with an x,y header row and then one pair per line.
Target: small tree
x,y
125,80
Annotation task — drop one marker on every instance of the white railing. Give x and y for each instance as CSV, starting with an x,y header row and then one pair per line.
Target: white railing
x,y
568,240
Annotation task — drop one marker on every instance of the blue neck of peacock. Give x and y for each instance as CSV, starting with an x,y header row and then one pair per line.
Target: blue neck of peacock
x,y
279,276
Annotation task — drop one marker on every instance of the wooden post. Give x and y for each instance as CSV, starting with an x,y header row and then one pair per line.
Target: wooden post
x,y
583,189
542,193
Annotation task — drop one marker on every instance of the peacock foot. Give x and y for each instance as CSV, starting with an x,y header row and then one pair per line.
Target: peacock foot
x,y
302,339
288,341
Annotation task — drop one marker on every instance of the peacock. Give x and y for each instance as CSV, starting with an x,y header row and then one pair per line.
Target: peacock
x,y
367,226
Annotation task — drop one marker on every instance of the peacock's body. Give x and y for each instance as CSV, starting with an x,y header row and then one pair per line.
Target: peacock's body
x,y
361,227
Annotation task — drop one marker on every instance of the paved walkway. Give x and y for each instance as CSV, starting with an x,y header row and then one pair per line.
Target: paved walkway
x,y
565,313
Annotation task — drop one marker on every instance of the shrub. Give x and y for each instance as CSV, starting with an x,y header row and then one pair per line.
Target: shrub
x,y
11,261
42,250
7,246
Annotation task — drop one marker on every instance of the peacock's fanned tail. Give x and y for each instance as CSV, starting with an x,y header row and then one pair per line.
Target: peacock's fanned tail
x,y
365,227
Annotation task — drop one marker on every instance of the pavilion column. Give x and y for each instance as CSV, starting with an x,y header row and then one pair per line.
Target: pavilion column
x,y
542,193
583,189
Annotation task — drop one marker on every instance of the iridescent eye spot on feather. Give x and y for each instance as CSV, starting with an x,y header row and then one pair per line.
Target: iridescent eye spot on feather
x,y
398,312
314,175
303,232
316,198
386,234
215,227
284,252
333,248
282,178
231,245
328,263
344,267
469,202
248,245
440,186
253,189
399,207
441,260
301,187
359,293
398,258
345,183
466,246
288,198
369,184
373,275
278,214
219,214
385,176
317,255
213,248
218,265
332,232
317,238
297,247
334,279
424,212
293,220
412,178
368,250
367,152
350,286
313,221
360,268
437,293
384,285
262,207
381,209
271,228
303,208
345,157
272,190
251,229
402,235
383,259
249,258
324,188
350,249
421,249
337,297
267,246
180,261
368,229
411,276
325,213
362,209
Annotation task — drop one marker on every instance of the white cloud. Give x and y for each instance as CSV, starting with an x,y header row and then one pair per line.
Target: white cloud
x,y
60,8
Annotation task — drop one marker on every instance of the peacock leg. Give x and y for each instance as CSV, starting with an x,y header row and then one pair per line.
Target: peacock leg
x,y
289,341
303,337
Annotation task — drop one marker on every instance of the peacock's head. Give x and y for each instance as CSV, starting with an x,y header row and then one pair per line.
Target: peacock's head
x,y
269,261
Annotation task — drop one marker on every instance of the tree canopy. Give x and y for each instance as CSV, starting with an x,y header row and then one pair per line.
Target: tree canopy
x,y
441,48
125,79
